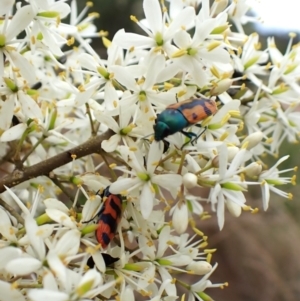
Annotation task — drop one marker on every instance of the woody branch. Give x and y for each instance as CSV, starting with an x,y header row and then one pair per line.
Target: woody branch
x,y
91,146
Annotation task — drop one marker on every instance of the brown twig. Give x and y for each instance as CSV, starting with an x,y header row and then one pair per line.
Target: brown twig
x,y
93,145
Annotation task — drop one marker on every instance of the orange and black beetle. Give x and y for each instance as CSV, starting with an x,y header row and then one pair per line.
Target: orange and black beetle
x,y
180,115
109,217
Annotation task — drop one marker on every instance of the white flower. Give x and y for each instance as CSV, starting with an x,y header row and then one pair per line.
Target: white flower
x,y
122,129
252,61
46,18
189,180
281,124
286,69
194,53
199,287
9,31
145,179
69,284
19,101
7,230
180,217
148,75
159,34
270,178
84,26
228,186
9,293
238,13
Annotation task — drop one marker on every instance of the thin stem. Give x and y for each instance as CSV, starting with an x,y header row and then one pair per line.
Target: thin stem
x,y
116,84
16,156
88,111
30,286
117,159
183,284
12,211
181,162
112,172
167,157
33,148
204,169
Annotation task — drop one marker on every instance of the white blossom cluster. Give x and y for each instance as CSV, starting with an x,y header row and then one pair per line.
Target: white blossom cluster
x,y
57,94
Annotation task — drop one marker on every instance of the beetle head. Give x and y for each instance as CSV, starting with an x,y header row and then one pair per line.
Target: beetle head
x,y
161,130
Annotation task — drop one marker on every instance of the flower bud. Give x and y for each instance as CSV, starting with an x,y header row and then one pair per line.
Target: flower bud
x,y
190,180
180,217
233,186
221,86
218,6
252,140
215,161
232,151
52,119
130,236
199,267
48,14
233,208
253,170
11,84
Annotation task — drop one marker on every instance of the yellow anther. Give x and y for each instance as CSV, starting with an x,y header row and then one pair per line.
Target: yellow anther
x,y
134,19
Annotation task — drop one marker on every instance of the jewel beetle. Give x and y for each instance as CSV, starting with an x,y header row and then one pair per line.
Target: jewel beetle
x,y
183,114
109,217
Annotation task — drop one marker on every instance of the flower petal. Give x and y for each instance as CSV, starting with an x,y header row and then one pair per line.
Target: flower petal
x,y
153,15
46,295
146,200
23,266
10,293
14,133
124,184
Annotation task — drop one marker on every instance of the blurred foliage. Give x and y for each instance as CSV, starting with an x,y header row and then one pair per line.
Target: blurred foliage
x,y
114,15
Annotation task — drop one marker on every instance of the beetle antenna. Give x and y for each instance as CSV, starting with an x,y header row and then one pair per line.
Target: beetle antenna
x,y
101,205
86,222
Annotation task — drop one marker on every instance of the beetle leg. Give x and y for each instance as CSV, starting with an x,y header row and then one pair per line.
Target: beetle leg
x,y
193,137
166,145
204,129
